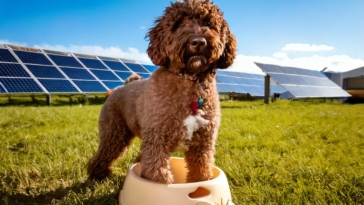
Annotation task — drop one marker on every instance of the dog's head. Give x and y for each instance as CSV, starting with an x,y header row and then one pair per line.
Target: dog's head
x,y
192,35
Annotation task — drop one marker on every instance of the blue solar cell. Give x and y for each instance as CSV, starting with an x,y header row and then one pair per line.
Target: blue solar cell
x,y
76,73
45,71
65,61
328,82
336,92
57,86
226,79
136,68
123,75
238,80
12,70
223,88
89,86
113,84
259,76
276,89
6,56
104,75
151,68
296,91
254,82
92,63
221,72
232,73
144,75
237,88
298,80
314,92
254,90
313,81
281,78
20,85
268,68
287,70
2,88
116,66
33,58
313,73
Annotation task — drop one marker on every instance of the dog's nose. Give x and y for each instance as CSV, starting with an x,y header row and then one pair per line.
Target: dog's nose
x,y
198,43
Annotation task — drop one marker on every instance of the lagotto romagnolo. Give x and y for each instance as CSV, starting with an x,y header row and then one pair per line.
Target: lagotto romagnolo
x,y
178,107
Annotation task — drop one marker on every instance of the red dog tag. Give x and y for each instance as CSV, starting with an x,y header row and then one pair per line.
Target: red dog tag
x,y
194,106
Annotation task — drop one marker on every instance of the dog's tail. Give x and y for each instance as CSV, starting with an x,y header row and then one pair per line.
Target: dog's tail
x,y
132,77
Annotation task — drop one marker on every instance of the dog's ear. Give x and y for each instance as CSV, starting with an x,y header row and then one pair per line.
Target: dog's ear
x,y
156,46
229,53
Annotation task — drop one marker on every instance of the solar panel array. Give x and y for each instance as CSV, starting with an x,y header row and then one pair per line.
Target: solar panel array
x,y
303,83
38,71
244,83
24,71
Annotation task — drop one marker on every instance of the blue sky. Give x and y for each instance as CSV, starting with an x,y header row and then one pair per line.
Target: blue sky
x,y
310,34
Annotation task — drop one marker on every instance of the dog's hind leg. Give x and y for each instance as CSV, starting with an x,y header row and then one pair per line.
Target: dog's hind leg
x,y
115,137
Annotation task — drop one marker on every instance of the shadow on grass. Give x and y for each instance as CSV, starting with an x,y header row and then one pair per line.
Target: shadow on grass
x,y
233,106
56,196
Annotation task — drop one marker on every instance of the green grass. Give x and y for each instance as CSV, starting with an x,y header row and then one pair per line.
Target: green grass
x,y
281,153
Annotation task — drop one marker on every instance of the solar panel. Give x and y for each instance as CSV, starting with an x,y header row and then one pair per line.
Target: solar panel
x,y
92,63
239,82
104,75
57,86
6,56
144,75
12,70
68,61
33,58
76,73
151,68
89,86
123,75
2,88
20,85
226,79
136,68
40,71
116,66
223,88
303,83
113,84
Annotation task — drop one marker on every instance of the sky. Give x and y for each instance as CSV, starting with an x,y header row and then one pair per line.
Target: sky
x,y
311,34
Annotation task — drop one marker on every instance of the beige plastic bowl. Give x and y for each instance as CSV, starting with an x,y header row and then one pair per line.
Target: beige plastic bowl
x,y
140,191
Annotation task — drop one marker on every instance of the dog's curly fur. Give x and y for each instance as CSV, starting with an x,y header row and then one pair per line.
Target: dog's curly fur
x,y
189,42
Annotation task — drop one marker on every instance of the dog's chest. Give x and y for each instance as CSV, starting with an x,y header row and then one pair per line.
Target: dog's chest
x,y
192,123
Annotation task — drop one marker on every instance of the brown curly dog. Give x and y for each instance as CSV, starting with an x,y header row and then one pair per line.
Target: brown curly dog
x,y
177,108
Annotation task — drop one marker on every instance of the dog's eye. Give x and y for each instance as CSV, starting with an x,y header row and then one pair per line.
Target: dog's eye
x,y
183,22
207,23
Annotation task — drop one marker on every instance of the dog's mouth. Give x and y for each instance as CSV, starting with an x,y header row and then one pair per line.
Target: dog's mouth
x,y
196,64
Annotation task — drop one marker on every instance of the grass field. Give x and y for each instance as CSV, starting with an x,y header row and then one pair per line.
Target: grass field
x,y
282,153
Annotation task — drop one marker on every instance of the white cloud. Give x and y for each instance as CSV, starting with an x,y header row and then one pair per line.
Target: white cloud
x,y
338,63
6,41
142,28
280,55
306,47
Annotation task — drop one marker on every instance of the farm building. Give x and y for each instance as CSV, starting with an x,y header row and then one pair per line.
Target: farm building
x,y
352,81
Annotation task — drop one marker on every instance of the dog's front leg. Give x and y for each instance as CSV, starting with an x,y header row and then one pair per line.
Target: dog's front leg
x,y
200,160
155,163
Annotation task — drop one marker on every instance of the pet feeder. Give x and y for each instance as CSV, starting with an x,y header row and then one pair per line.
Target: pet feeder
x,y
140,191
